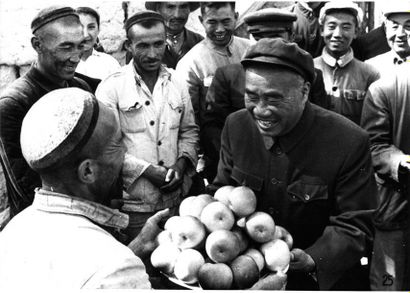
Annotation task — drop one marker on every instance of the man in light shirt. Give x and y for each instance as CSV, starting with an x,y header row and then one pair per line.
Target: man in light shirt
x,y
397,23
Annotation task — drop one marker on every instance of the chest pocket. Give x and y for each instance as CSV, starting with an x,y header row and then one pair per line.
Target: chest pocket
x,y
243,178
352,103
175,112
132,119
307,191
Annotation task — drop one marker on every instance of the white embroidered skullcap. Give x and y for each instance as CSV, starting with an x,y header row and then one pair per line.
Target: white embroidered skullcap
x,y
57,125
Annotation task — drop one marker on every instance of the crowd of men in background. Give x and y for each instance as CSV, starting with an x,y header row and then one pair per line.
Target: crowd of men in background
x,y
309,113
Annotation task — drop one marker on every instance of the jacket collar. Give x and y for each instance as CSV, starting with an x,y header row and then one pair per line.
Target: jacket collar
x,y
341,62
288,141
60,203
42,80
163,74
227,50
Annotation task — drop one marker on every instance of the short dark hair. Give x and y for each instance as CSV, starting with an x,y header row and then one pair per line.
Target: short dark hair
x,y
90,11
216,5
148,23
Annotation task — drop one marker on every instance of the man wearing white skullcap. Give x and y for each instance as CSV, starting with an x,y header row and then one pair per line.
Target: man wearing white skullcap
x,y
66,238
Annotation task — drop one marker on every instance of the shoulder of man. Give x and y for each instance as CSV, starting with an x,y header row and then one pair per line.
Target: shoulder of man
x,y
194,36
331,123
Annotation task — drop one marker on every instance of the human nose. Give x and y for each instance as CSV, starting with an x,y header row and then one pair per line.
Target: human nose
x,y
220,27
76,55
261,109
401,32
337,32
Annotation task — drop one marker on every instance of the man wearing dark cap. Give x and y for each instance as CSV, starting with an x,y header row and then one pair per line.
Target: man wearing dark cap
x,y
66,238
309,168
58,40
179,39
226,92
157,120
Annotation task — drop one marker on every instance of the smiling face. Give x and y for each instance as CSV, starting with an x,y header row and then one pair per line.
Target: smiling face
x,y
175,15
60,45
90,29
398,32
219,24
338,31
275,98
147,46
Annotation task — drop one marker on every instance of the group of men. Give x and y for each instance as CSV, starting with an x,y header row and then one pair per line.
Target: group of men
x,y
87,175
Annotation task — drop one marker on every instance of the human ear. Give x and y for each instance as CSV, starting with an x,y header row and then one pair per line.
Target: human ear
x,y
306,90
87,171
36,44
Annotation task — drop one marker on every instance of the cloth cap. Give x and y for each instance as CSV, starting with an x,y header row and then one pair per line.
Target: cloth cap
x,y
150,5
401,6
341,4
269,19
282,53
49,14
142,16
57,125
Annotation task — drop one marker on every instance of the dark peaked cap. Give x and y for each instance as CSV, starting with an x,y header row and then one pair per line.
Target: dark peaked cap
x,y
142,16
150,5
269,19
281,53
49,14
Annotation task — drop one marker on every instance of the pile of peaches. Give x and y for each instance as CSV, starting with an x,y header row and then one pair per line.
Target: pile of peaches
x,y
222,242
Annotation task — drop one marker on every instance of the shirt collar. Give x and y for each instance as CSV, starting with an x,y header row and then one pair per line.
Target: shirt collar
x,y
342,61
60,203
396,59
163,74
227,50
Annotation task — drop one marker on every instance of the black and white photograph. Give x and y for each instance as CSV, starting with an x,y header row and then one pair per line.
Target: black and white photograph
x,y
243,145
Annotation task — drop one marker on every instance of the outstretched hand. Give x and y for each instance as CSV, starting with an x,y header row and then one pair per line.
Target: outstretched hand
x,y
300,261
145,243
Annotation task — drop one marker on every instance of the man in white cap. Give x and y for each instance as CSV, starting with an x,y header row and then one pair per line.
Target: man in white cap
x,y
346,78
65,239
397,24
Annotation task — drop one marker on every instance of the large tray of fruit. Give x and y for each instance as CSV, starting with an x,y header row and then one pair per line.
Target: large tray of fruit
x,y
222,242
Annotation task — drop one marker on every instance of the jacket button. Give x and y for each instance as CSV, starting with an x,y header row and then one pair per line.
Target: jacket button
x,y
161,163
159,143
151,123
147,103
307,196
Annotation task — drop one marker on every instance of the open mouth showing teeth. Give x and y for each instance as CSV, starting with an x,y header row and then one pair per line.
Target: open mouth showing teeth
x,y
265,123
220,37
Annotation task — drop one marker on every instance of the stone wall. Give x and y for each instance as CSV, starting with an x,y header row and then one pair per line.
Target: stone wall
x,y
16,53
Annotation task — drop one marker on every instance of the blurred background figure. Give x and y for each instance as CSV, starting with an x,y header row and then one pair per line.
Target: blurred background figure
x,y
93,63
179,39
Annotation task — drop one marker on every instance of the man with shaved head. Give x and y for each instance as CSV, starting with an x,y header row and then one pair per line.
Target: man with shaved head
x,y
58,40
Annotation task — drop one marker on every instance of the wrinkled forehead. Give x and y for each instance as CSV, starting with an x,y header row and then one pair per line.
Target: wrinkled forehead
x,y
62,28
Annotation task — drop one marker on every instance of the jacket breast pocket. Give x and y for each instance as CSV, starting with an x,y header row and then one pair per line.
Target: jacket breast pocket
x,y
175,113
132,119
352,103
307,192
243,178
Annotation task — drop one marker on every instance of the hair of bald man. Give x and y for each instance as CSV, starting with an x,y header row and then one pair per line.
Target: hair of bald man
x,y
44,31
